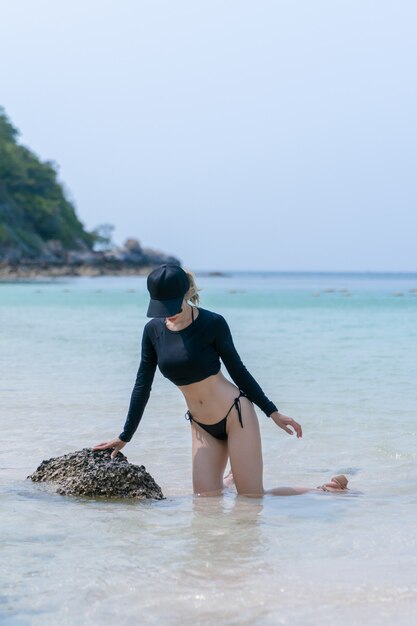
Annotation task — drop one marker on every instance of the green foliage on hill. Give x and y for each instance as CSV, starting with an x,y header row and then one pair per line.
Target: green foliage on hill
x,y
33,208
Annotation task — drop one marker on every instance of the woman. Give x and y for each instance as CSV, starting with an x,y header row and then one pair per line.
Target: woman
x,y
186,341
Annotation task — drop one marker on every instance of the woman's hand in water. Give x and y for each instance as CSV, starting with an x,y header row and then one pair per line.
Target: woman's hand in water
x,y
286,423
117,444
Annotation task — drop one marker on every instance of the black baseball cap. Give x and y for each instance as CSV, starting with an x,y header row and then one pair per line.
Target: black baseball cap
x,y
167,285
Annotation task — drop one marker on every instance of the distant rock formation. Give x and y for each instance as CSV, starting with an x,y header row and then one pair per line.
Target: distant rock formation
x,y
118,261
132,253
93,473
55,261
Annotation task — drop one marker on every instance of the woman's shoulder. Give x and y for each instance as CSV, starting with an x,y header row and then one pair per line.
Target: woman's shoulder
x,y
211,316
152,327
151,323
208,313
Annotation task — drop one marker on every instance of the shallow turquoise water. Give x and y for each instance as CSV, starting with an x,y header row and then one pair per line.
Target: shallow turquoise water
x,y
338,352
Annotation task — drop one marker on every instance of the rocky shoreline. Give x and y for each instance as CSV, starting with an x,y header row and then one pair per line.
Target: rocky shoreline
x,y
129,260
29,271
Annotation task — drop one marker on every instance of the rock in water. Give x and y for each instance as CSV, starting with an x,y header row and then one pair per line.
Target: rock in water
x,y
93,473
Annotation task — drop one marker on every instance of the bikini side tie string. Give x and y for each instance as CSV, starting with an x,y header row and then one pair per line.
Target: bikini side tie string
x,y
236,404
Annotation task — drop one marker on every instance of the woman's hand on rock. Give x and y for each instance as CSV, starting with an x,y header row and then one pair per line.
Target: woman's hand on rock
x,y
117,444
286,423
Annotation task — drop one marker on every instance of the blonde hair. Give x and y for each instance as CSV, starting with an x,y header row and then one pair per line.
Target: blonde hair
x,y
192,293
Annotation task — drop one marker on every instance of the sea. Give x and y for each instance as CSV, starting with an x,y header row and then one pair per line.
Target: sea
x,y
335,351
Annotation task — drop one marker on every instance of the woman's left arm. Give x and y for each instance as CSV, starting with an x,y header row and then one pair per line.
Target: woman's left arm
x,y
245,381
286,423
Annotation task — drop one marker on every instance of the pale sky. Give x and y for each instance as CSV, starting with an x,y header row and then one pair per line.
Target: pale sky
x,y
232,134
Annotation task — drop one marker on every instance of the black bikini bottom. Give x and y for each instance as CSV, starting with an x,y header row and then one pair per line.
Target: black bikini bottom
x,y
218,430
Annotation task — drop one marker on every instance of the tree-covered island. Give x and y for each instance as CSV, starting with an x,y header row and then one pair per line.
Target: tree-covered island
x,y
40,233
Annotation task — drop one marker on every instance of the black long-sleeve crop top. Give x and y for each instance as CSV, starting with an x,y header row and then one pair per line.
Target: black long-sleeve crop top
x,y
187,356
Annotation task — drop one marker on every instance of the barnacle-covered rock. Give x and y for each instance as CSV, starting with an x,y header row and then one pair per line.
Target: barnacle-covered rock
x,y
94,473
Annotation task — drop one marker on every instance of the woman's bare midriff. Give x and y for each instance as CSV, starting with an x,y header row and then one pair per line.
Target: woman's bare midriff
x,y
210,399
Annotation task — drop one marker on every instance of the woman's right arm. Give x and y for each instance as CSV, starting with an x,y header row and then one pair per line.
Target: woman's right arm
x,y
139,397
